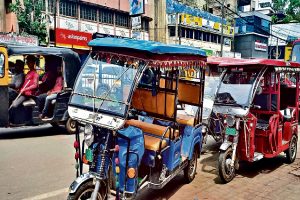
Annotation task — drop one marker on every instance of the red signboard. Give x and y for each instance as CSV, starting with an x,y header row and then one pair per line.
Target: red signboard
x,y
70,38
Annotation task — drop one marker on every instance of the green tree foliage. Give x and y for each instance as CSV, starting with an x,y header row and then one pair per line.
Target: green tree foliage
x,y
291,8
31,20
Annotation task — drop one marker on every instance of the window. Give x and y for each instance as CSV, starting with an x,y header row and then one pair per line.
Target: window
x,y
265,4
145,24
88,12
182,32
122,20
2,65
51,6
198,35
189,33
42,4
68,8
172,31
106,16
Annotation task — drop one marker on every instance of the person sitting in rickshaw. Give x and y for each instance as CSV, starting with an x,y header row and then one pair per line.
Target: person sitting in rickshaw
x,y
52,94
48,78
16,81
30,84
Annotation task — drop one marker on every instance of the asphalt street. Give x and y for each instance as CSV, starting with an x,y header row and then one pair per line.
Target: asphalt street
x,y
38,163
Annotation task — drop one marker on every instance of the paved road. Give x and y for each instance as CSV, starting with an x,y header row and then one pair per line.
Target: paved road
x,y
38,163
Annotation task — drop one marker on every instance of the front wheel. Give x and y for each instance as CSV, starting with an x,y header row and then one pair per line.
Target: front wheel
x,y
84,192
226,171
291,152
190,169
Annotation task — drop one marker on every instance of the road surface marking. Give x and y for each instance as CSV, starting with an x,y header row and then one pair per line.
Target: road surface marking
x,y
48,194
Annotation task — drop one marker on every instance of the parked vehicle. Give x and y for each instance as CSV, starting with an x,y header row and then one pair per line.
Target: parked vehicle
x,y
27,114
134,136
260,112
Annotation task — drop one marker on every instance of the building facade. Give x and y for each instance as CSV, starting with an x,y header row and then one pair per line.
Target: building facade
x,y
252,34
71,23
195,27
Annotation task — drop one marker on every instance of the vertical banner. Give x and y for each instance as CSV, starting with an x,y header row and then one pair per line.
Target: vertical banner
x,y
137,7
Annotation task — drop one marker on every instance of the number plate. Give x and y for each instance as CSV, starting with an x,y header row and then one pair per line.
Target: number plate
x,y
89,155
230,131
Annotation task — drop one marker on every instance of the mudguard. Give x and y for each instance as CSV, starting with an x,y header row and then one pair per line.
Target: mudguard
x,y
79,181
66,116
191,137
225,145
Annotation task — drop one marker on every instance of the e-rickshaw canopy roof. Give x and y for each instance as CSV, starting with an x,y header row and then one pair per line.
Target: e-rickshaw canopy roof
x,y
213,60
159,54
278,65
71,58
147,46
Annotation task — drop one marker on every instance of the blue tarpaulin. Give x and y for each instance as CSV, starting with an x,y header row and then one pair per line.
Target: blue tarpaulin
x,y
148,46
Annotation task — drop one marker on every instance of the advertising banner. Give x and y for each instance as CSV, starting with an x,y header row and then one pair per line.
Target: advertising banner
x,y
260,46
73,39
137,7
18,39
136,22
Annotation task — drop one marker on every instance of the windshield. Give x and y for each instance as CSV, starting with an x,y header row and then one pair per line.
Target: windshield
x,y
103,86
210,89
235,88
296,53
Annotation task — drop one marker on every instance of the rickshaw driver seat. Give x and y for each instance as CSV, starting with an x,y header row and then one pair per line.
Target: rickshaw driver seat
x,y
29,103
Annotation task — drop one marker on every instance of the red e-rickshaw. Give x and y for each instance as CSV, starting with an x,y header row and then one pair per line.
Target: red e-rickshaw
x,y
260,112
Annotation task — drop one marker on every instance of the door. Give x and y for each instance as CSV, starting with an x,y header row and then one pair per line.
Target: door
x,y
3,87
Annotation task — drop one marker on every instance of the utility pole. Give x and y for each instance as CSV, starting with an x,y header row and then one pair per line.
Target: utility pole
x,y
222,28
54,17
180,31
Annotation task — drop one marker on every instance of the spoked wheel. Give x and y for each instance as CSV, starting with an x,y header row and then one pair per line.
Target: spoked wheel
x,y
85,191
71,126
226,171
291,152
190,169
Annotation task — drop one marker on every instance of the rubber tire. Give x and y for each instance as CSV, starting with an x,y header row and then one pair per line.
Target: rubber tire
x,y
188,175
70,129
290,158
225,178
81,189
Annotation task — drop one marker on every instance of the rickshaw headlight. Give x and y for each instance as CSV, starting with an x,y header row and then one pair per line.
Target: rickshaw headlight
x,y
88,134
230,120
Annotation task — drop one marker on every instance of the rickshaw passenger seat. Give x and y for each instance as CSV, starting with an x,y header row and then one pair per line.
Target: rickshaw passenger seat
x,y
152,142
29,102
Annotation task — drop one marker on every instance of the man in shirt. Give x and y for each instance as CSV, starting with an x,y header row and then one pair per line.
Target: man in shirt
x,y
49,77
30,84
17,81
52,94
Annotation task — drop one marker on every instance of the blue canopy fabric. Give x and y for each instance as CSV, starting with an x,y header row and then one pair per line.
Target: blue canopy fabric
x,y
148,46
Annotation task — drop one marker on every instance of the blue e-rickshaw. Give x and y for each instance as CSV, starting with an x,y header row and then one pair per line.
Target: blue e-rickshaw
x,y
126,100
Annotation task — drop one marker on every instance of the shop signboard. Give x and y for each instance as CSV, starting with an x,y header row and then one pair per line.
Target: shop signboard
x,y
122,32
67,23
88,27
72,39
260,46
10,38
105,29
137,7
136,23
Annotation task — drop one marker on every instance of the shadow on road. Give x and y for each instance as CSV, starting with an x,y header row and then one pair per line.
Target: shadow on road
x,y
209,161
28,132
165,193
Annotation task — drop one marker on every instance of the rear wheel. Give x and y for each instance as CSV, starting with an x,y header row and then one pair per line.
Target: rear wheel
x,y
71,126
84,192
226,171
291,152
190,169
